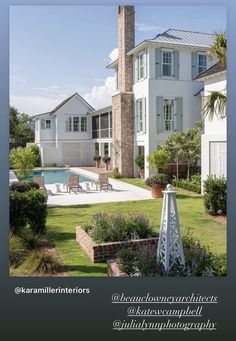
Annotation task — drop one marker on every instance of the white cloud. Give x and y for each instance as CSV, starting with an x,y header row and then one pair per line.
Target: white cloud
x,y
144,27
33,105
19,79
100,96
113,55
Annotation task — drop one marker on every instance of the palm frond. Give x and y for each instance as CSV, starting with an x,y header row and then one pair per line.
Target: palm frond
x,y
215,105
219,49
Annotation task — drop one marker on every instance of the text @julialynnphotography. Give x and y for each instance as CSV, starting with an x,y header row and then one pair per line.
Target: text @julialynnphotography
x,y
172,313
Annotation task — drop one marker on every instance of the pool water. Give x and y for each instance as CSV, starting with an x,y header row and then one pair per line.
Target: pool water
x,y
55,176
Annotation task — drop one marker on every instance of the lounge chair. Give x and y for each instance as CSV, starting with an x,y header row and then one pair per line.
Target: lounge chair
x,y
103,182
40,181
73,183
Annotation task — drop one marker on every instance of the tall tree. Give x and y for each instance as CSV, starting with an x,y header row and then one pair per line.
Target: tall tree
x,y
20,131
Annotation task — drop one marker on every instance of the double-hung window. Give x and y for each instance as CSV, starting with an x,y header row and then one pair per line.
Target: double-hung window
x,y
141,65
201,62
45,124
76,123
168,115
69,124
83,122
167,63
140,114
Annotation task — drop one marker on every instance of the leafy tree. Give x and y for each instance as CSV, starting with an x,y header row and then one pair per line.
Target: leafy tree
x,y
22,160
191,146
173,147
20,131
159,158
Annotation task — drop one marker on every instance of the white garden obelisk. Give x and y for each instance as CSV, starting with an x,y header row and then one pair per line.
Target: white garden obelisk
x,y
170,247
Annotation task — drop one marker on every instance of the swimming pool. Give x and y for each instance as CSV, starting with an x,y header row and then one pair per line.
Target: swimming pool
x,y
56,176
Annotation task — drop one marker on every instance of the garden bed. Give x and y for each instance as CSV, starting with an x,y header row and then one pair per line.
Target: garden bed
x,y
106,251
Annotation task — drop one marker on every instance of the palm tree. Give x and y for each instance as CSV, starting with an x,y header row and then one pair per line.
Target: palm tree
x,y
216,102
215,105
219,48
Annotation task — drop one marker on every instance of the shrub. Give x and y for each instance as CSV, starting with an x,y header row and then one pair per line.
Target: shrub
x,y
106,159
30,208
159,179
33,241
23,160
188,185
117,227
17,250
35,149
97,158
115,173
198,262
23,186
47,264
159,158
215,195
139,160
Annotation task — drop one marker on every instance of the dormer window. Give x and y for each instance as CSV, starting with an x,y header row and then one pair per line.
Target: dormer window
x,y
167,63
201,62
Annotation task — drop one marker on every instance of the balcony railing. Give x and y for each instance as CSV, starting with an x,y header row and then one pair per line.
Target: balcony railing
x,y
102,133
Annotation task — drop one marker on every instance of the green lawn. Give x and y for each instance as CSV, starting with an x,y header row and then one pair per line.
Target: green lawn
x,y
61,223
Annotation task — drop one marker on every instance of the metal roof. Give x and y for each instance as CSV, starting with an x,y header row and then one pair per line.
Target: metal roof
x,y
182,37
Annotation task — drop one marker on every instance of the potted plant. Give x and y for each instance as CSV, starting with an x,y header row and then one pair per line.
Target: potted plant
x,y
159,158
97,159
157,183
139,160
106,159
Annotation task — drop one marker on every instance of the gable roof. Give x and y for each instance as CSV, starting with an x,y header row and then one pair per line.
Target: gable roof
x,y
63,103
216,68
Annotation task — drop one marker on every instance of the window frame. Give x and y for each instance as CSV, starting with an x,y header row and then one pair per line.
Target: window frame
x,y
85,119
171,64
140,104
142,54
198,59
173,110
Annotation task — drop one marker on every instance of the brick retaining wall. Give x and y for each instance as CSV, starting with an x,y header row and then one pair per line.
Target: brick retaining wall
x,y
102,252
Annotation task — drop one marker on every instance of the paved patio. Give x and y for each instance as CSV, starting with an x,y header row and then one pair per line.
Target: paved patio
x,y
57,195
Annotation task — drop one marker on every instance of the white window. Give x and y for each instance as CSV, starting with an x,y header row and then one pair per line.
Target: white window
x,y
141,66
83,124
167,63
201,62
45,124
69,124
76,123
168,115
140,114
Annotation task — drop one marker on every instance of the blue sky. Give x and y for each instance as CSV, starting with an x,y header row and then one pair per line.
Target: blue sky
x,y
58,50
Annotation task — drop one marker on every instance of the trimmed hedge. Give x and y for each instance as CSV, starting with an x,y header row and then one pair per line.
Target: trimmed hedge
x,y
188,185
215,195
23,186
28,208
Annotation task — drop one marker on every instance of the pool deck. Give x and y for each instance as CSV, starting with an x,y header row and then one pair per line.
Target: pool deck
x,y
57,195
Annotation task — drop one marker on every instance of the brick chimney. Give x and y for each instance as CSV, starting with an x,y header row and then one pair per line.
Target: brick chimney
x,y
122,102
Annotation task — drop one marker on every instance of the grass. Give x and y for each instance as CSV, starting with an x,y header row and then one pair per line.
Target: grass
x,y
61,223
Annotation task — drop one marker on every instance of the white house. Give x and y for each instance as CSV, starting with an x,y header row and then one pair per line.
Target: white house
x,y
157,94
214,138
166,98
73,132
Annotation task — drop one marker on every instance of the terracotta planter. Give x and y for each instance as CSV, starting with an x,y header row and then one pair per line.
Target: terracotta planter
x,y
141,173
156,191
97,163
